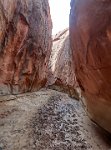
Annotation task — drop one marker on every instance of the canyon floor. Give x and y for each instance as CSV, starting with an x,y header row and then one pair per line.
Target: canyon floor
x,y
47,120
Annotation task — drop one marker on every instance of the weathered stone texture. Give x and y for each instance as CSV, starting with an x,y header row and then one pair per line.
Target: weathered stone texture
x,y
90,30
61,70
25,43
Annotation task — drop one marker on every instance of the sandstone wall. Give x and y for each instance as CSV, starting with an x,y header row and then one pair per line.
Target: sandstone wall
x,y
25,43
61,70
90,34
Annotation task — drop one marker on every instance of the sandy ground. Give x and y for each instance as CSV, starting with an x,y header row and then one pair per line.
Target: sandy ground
x,y
47,120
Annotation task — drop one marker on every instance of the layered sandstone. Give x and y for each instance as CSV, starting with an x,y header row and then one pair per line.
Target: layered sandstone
x,y
90,30
25,43
61,69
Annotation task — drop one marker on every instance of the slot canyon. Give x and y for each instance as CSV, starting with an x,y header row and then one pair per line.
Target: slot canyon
x,y
55,89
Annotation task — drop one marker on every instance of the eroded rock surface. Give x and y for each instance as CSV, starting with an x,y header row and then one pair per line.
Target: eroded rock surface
x,y
25,44
47,120
90,30
61,70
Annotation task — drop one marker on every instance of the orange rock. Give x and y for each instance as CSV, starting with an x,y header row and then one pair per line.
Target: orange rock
x,y
25,44
61,72
90,34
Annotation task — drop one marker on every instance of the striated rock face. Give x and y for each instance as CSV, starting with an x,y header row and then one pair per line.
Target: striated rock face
x,y
25,43
90,30
61,69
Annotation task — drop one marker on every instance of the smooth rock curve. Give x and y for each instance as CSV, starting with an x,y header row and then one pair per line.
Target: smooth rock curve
x,y
90,35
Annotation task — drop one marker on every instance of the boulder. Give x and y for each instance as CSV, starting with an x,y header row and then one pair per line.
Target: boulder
x,y
61,70
25,44
90,36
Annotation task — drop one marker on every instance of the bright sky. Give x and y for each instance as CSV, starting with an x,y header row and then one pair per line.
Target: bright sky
x,y
60,10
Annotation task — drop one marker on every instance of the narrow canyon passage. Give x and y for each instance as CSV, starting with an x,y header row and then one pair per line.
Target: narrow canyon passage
x,y
37,66
47,120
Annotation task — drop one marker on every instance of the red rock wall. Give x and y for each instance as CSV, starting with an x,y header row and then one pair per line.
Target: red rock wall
x,y
90,35
61,70
25,44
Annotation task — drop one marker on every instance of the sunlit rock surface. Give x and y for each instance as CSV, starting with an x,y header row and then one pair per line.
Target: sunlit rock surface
x,y
90,34
61,70
25,44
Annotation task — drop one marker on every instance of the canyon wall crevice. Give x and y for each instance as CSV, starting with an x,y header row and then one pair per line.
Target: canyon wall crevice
x,y
61,70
